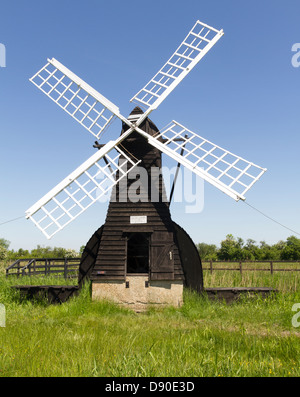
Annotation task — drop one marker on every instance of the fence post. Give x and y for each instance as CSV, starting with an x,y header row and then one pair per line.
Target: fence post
x,y
211,266
65,268
271,267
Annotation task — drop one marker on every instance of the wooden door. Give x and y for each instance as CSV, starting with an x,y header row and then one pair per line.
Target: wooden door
x,y
162,258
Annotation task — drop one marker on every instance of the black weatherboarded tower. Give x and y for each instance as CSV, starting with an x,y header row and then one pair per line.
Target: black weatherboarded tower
x,y
139,238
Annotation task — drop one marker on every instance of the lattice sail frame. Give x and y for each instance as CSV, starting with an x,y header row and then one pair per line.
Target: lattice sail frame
x,y
231,174
95,112
82,188
196,44
86,105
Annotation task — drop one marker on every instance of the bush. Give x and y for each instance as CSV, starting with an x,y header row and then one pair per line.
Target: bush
x,y
3,253
235,249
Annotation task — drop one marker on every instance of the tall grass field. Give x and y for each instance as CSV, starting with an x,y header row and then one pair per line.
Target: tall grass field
x,y
203,338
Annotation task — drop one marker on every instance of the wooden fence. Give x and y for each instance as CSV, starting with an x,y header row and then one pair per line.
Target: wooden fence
x,y
66,267
242,266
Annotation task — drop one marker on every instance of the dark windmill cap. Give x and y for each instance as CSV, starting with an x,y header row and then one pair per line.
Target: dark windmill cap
x,y
147,125
135,114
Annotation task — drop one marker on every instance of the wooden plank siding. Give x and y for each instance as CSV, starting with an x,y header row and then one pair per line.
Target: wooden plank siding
x,y
111,260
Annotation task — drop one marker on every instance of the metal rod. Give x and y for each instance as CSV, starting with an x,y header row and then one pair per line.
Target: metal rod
x,y
177,171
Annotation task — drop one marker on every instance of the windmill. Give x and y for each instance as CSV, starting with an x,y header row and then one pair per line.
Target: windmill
x,y
139,254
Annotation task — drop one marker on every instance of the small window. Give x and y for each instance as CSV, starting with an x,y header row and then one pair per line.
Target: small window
x,y
138,253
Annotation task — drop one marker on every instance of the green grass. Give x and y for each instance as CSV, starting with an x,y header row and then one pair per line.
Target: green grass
x,y
254,337
285,282
41,280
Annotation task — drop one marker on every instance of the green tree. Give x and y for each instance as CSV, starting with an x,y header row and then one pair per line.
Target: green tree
x,y
21,253
230,249
70,253
81,249
41,252
4,245
3,253
291,251
58,252
251,250
268,252
207,251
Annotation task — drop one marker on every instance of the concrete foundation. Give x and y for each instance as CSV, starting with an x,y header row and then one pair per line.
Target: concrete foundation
x,y
138,293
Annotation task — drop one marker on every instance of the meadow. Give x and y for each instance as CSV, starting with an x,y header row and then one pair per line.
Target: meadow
x,y
203,338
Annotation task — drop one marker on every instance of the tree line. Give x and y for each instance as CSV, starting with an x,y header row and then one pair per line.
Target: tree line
x,y
38,252
236,249
231,249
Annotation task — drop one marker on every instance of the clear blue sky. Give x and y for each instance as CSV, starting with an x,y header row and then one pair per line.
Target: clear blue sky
x,y
244,96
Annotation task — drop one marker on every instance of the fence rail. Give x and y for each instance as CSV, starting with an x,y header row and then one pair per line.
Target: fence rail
x,y
241,266
66,267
